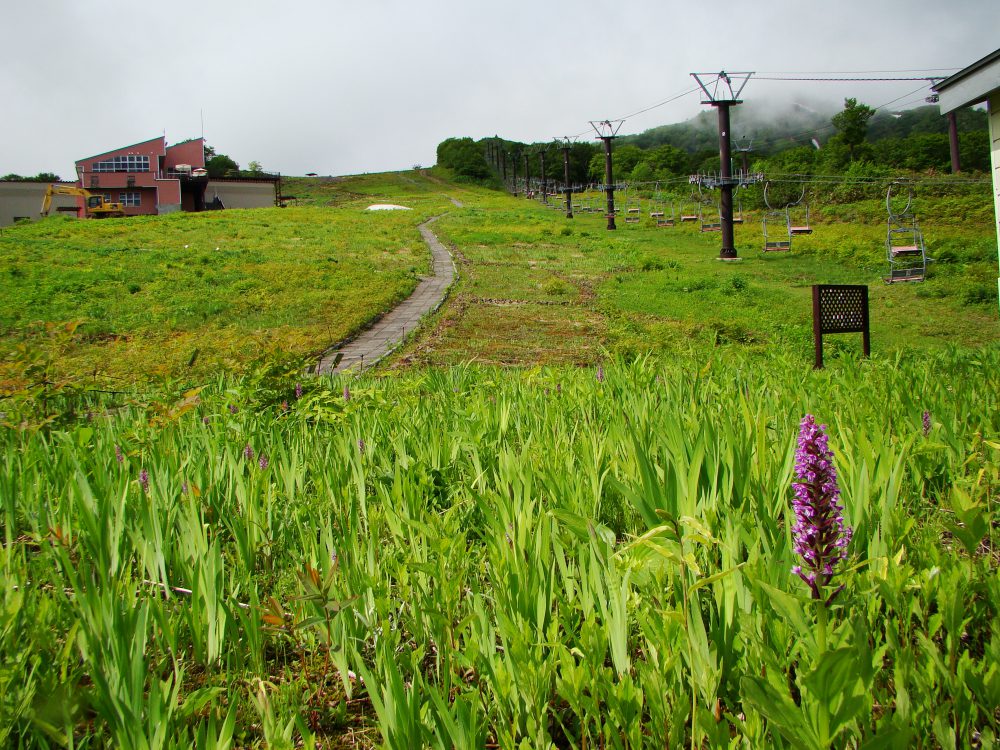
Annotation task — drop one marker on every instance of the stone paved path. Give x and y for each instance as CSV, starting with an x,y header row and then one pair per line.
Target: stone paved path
x,y
387,332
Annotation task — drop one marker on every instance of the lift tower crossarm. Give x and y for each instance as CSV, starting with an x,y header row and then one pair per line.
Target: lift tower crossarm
x,y
724,81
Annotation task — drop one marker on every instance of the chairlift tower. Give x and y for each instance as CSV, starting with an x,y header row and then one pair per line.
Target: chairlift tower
x,y
503,166
956,167
607,131
527,175
722,95
545,186
566,146
513,164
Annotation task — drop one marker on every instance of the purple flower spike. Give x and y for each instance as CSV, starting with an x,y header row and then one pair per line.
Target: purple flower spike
x,y
927,423
144,480
206,419
233,408
361,445
347,393
248,453
298,390
262,462
820,536
600,373
119,456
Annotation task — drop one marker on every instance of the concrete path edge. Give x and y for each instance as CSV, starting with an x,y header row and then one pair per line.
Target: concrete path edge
x,y
388,331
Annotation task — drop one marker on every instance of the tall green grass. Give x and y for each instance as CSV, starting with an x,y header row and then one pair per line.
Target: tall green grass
x,y
530,558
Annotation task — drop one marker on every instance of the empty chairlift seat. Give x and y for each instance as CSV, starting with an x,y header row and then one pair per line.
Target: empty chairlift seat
x,y
633,210
782,220
777,238
710,217
904,241
659,214
798,219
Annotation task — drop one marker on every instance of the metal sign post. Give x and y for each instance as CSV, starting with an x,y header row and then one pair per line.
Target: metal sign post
x,y
840,308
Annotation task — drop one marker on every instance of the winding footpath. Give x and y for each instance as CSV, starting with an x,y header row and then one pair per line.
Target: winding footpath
x,y
386,333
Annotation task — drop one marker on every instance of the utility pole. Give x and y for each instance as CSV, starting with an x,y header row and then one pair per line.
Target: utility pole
x,y
953,142
607,131
568,186
956,167
723,96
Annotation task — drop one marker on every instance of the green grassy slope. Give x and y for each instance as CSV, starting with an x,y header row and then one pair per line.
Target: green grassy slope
x,y
540,288
189,294
152,291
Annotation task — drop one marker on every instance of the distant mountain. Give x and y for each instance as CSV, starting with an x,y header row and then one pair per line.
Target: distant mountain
x,y
767,129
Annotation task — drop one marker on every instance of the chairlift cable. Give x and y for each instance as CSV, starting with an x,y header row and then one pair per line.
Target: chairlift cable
x,y
851,72
791,78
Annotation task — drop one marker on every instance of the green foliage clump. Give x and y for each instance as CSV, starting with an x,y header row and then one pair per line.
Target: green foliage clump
x,y
464,157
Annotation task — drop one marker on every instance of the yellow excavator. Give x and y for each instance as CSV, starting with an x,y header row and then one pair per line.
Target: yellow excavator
x,y
95,207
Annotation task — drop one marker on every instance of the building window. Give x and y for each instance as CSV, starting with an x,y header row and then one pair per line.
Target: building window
x,y
130,199
125,163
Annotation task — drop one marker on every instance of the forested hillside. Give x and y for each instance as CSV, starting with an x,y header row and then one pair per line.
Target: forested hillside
x,y
793,139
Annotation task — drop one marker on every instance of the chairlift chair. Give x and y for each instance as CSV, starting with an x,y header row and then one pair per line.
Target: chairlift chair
x,y
797,214
904,242
690,210
711,221
633,208
771,244
773,241
658,212
710,217
662,220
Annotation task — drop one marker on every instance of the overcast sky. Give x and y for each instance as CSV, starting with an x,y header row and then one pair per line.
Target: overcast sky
x,y
341,87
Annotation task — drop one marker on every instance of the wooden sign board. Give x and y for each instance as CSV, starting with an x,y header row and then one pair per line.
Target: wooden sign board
x,y
840,308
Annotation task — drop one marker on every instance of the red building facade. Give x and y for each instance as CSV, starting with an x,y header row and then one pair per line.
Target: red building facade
x,y
148,177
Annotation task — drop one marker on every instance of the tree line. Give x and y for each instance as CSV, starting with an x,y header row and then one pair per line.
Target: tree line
x,y
855,139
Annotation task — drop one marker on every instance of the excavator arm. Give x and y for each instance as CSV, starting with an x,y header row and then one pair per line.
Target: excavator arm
x,y
61,190
93,208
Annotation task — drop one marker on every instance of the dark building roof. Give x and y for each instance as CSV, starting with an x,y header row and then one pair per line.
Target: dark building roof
x,y
970,85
